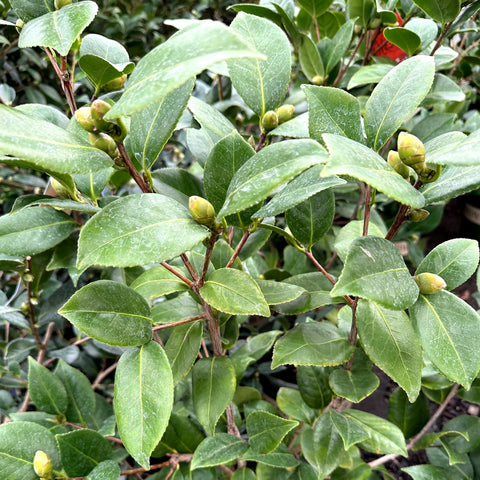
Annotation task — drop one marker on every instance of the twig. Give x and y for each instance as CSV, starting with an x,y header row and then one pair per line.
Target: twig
x,y
132,170
295,436
181,322
31,308
103,374
440,38
343,69
231,426
261,142
177,274
208,256
239,248
190,268
82,340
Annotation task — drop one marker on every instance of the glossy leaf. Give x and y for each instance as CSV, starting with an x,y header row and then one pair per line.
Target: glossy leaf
x,y
46,389
389,339
157,282
310,59
213,388
403,38
297,127
363,10
235,292
448,329
313,386
454,260
55,202
176,309
409,417
441,11
266,431
267,170
279,292
29,9
291,403
19,441
368,74
210,118
384,437
111,313
337,48
107,470
182,348
354,384
119,236
82,451
431,472
350,431
444,90
172,63
151,127
455,151
44,146
58,29
143,399
331,110
375,270
396,97
280,458
261,83
351,158
315,343
218,450
33,231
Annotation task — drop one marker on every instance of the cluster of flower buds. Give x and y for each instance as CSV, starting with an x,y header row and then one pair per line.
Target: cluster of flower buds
x,y
103,135
273,118
429,283
411,154
42,464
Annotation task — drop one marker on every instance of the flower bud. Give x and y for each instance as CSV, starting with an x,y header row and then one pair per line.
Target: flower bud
x,y
429,283
396,163
84,118
103,142
61,3
60,190
19,25
375,23
42,465
115,84
284,113
418,215
269,121
318,80
429,175
411,151
98,109
201,210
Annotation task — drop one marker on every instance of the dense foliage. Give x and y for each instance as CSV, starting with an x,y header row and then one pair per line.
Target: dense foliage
x,y
213,238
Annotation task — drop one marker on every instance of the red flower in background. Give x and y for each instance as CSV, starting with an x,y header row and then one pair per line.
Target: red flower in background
x,y
383,48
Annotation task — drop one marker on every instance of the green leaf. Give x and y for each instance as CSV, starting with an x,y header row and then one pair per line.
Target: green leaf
x,y
389,339
262,84
136,230
58,29
235,292
310,61
19,441
315,7
454,260
46,390
82,451
449,330
266,431
111,313
384,437
55,202
337,48
301,188
354,384
444,90
213,388
351,158
177,183
29,9
310,220
151,127
455,151
350,431
322,446
265,171
278,292
107,470
280,458
225,158
157,282
363,10
425,28
176,309
33,231
103,59
409,417
44,146
210,119
317,293
396,97
182,348
331,110
180,58
441,11
143,399
313,386
434,125
243,474
218,450
314,343
432,472
291,403
403,38
368,74
375,270
297,127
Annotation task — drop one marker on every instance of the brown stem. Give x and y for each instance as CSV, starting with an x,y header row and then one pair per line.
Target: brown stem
x,y
397,223
353,333
231,426
213,330
132,170
423,431
239,248
180,322
261,142
103,375
177,274
457,61
342,70
225,470
208,256
440,38
220,87
190,268
295,436
366,218
31,308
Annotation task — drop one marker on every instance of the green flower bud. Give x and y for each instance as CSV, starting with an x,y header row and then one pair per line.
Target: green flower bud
x,y
201,210
429,283
429,175
411,151
269,121
99,108
118,131
42,465
84,118
318,80
19,25
375,23
418,215
396,163
60,190
115,84
284,113
61,3
103,142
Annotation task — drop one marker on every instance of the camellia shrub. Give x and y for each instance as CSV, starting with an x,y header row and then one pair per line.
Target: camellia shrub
x,y
211,254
